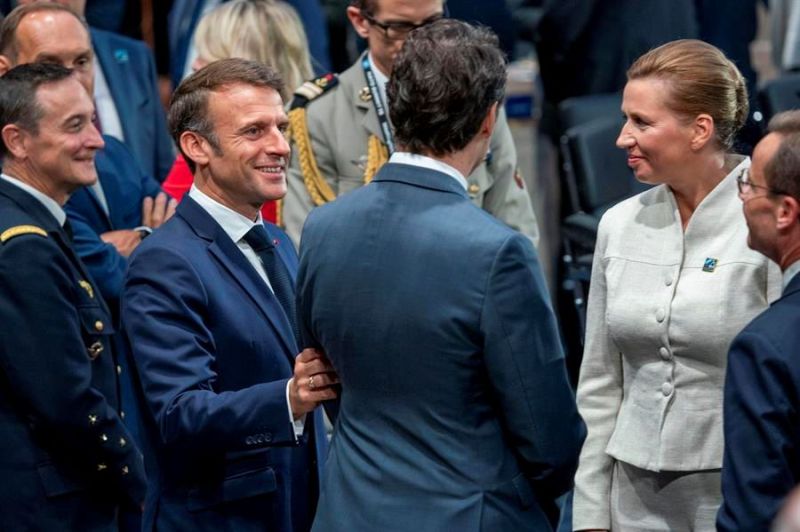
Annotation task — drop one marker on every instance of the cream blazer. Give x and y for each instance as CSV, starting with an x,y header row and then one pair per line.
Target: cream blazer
x,y
664,305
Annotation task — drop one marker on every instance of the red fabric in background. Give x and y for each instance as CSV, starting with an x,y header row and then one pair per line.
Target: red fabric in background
x,y
180,179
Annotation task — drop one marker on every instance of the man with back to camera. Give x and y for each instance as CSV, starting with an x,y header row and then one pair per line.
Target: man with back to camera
x,y
66,460
342,134
455,413
208,305
761,463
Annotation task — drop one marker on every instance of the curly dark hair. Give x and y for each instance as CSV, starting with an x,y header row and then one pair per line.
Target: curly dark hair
x,y
444,80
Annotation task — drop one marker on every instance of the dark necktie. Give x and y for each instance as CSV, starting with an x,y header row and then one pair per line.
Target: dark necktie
x,y
68,230
278,275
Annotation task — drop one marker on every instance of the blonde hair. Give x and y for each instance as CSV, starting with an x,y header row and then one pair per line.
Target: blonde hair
x,y
702,80
268,31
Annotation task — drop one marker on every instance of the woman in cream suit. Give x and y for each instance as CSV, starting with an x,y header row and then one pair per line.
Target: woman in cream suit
x,y
673,282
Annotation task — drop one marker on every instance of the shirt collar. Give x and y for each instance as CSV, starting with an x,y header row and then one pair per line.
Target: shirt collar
x,y
790,272
381,79
49,203
430,163
234,224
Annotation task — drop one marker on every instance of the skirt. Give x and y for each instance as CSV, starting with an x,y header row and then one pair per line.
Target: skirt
x,y
664,501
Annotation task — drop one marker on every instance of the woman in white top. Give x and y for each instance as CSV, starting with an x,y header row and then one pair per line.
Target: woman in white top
x,y
673,281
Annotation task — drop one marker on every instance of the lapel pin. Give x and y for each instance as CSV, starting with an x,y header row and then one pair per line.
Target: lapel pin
x,y
365,95
121,55
710,265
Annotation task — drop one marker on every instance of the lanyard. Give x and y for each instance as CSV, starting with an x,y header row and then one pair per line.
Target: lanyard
x,y
380,108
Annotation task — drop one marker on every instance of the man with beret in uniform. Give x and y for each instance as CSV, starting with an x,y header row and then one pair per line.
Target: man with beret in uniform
x,y
342,134
66,460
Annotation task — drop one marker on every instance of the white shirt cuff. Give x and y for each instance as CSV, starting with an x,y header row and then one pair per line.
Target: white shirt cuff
x,y
299,423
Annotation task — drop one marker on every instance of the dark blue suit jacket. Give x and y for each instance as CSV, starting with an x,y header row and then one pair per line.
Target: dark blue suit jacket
x,y
125,187
214,353
130,72
66,460
455,412
185,15
762,417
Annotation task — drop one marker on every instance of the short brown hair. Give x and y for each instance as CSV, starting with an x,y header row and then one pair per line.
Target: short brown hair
x,y
702,80
445,79
9,26
19,100
782,172
188,108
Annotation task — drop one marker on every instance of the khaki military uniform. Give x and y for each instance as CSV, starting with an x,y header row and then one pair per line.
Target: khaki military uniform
x,y
337,147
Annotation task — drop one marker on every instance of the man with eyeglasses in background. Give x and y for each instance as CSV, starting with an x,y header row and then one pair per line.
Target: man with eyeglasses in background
x,y
761,463
341,133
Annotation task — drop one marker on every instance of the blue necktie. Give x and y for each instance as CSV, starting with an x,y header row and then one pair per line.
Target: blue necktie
x,y
278,275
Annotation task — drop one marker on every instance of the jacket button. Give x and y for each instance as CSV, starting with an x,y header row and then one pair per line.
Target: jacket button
x,y
98,326
666,389
664,352
660,315
119,369
668,280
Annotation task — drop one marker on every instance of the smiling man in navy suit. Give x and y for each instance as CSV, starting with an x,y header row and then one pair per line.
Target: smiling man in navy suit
x,y
209,307
456,413
761,464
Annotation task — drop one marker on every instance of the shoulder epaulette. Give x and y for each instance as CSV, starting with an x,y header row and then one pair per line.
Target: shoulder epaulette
x,y
18,230
313,89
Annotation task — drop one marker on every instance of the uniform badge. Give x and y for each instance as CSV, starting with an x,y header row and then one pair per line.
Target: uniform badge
x,y
710,265
365,95
88,287
473,190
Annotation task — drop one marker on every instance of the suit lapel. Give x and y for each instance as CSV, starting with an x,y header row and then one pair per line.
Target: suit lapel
x,y
115,63
228,254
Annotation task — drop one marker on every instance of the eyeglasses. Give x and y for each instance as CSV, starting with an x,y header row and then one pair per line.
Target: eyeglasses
x,y
746,186
396,31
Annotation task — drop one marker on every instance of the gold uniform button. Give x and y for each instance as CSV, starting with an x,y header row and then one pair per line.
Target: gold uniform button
x,y
102,467
122,442
103,437
119,369
474,189
121,414
98,326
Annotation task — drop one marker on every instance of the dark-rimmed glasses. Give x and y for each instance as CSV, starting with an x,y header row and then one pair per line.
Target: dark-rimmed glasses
x,y
746,186
396,31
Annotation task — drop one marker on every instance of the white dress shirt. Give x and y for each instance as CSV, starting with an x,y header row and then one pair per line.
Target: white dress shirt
x,y
236,226
49,203
790,272
105,107
423,161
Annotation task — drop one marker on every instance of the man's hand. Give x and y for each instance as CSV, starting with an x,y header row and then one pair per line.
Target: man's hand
x,y
156,211
313,382
124,240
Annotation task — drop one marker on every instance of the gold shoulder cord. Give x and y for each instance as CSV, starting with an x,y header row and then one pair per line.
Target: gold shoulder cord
x,y
317,187
377,155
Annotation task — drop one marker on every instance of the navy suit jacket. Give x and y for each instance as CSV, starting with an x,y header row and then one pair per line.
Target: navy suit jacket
x,y
130,72
185,15
66,460
455,411
761,464
125,186
214,352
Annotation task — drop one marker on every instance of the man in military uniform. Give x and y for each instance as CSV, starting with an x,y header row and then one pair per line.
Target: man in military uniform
x,y
341,134
66,460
